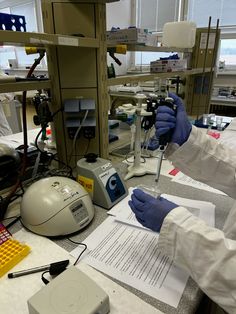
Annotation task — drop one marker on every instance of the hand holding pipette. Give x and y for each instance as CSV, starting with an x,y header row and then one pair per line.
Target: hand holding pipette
x,y
166,109
151,211
172,126
167,119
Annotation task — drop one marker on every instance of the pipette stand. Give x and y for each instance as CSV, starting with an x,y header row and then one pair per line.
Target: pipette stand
x,y
138,169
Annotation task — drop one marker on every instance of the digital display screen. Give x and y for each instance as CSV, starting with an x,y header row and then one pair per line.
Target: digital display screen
x,y
76,208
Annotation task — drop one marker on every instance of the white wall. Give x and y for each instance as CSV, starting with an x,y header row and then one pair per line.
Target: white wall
x,y
119,14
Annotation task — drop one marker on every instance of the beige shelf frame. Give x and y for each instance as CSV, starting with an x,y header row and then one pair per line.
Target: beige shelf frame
x,y
24,86
157,49
135,78
45,40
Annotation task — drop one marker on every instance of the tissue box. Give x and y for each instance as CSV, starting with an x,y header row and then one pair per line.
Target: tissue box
x,y
127,36
168,65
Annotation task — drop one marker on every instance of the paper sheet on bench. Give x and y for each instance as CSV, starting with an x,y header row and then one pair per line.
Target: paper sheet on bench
x,y
204,210
183,179
131,254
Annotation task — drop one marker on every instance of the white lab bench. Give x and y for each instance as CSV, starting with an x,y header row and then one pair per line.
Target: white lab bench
x,y
192,294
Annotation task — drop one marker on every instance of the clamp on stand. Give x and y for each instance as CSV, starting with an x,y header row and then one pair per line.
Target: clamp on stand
x,y
138,168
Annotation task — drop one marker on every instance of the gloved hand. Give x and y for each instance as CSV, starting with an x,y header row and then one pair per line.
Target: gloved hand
x,y
150,211
166,120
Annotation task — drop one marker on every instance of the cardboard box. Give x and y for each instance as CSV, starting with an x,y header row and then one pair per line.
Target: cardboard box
x,y
152,40
168,65
127,36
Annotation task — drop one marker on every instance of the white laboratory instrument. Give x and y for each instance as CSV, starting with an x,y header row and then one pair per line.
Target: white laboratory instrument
x,y
56,206
70,292
138,168
101,180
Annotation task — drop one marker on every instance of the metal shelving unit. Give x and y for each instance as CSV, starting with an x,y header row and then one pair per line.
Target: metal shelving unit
x,y
223,101
24,86
201,59
79,71
157,49
135,78
76,65
42,40
45,40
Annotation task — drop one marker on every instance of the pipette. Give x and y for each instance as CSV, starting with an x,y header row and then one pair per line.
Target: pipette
x,y
163,139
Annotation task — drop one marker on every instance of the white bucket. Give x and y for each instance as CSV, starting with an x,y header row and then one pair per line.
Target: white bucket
x,y
179,34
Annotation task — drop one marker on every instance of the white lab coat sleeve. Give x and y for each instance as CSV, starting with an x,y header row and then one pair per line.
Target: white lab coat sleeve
x,y
204,253
5,128
204,159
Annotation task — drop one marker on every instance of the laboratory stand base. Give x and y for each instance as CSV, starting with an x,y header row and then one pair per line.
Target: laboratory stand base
x,y
138,171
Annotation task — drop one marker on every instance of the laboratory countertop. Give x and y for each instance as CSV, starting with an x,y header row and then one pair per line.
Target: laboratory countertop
x,y
192,294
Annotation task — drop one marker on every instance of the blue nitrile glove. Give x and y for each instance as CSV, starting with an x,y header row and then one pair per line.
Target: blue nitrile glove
x,y
150,211
167,119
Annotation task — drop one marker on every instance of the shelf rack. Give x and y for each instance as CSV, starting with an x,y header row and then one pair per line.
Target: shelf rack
x,y
45,40
135,78
157,49
223,101
24,86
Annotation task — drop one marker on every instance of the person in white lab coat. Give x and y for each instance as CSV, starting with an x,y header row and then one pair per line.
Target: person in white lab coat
x,y
207,254
5,128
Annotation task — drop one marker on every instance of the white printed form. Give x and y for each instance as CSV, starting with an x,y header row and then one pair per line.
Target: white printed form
x,y
183,179
203,210
132,256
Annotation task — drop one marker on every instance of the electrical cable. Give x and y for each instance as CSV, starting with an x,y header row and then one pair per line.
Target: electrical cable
x,y
76,134
54,269
87,149
79,243
82,155
79,128
13,222
44,280
4,204
12,217
43,128
67,166
16,197
49,153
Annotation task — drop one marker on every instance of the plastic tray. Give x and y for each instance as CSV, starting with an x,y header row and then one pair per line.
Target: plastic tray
x,y
11,22
11,253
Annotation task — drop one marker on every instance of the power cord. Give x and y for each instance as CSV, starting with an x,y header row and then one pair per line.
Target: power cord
x,y
43,128
13,222
58,268
79,243
5,203
76,135
55,269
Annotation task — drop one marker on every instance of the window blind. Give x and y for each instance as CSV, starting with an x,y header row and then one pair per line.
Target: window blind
x,y
200,10
153,14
